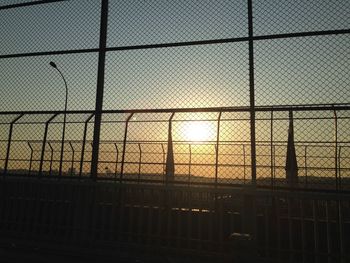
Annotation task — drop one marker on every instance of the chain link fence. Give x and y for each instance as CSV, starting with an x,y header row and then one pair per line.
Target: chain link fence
x,y
207,147
182,84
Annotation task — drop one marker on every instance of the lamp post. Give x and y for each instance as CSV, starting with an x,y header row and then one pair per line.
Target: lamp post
x,y
52,64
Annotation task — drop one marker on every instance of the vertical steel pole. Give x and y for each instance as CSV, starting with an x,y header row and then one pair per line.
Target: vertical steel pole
x,y
164,154
83,146
44,144
140,163
124,146
51,158
170,164
72,161
52,64
305,166
99,89
244,164
9,143
31,157
250,199
271,149
190,163
217,149
336,150
252,90
116,161
339,167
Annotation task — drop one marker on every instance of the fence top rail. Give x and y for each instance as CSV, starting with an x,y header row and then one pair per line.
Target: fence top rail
x,y
31,3
307,107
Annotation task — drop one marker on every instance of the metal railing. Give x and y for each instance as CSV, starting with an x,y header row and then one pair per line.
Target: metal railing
x,y
209,146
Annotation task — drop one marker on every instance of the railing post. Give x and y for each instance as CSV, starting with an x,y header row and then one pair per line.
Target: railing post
x,y
189,163
140,162
44,144
244,163
72,161
99,89
31,158
271,148
9,143
116,161
217,148
51,158
170,166
336,149
164,153
124,146
83,146
306,182
339,168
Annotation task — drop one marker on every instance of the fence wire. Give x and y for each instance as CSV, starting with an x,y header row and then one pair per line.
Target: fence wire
x,y
162,57
208,147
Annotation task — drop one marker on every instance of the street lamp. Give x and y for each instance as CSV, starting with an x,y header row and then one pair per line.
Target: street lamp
x,y
52,64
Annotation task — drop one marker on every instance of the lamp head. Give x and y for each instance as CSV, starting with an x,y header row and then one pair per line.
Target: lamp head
x,y
52,64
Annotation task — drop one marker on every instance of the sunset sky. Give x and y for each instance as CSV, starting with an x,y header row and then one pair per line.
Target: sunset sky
x,y
307,70
288,71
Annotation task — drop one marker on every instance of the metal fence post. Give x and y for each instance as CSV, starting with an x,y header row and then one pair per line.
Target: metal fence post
x,y
339,168
116,161
249,199
170,166
31,158
306,182
124,146
336,150
244,163
99,89
9,143
51,157
163,158
271,149
140,162
189,163
44,144
72,161
252,90
83,146
217,149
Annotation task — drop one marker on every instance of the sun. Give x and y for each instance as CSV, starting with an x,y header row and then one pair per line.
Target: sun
x,y
196,131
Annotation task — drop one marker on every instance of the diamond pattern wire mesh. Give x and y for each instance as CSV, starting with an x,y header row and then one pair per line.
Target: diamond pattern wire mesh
x,y
54,26
153,22
310,70
271,17
27,82
27,142
321,156
201,76
207,147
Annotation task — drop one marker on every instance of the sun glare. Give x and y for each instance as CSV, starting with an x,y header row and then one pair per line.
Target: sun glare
x,y
196,131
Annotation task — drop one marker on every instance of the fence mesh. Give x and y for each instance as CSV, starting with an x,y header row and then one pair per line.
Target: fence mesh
x,y
186,77
177,56
206,147
140,23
